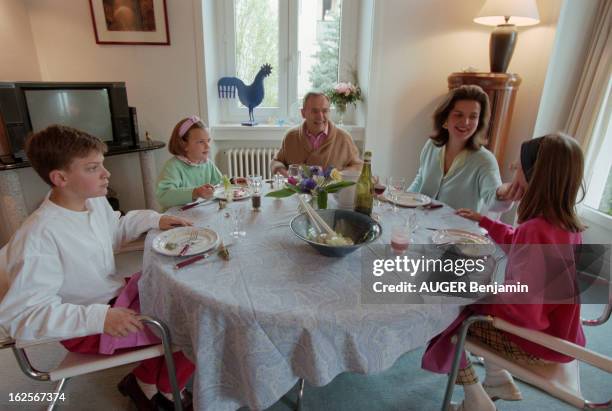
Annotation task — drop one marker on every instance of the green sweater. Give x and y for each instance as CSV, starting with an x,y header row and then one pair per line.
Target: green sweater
x,y
471,182
178,179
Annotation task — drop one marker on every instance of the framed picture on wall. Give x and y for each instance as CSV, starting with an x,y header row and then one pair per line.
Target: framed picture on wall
x,y
130,22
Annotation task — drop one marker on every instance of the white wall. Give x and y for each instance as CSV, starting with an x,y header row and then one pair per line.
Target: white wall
x,y
161,80
415,48
19,60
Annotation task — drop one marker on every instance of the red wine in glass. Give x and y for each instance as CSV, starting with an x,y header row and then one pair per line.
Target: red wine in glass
x,y
379,189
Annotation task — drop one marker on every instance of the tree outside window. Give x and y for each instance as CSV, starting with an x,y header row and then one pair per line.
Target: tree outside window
x,y
324,74
256,29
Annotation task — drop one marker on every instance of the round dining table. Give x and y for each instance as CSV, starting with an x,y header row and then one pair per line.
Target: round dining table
x,y
277,310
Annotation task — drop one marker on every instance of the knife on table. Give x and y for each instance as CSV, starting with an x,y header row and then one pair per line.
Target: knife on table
x,y
194,204
190,261
197,258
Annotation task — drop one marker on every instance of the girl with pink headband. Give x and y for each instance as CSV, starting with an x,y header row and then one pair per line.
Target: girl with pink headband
x,y
188,175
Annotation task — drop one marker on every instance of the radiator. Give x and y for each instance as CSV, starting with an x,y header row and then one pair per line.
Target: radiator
x,y
242,162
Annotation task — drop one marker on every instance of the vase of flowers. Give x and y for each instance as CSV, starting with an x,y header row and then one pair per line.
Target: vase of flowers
x,y
342,95
315,181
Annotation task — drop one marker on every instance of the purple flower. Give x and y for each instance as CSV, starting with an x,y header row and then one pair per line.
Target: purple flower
x,y
328,171
315,170
307,185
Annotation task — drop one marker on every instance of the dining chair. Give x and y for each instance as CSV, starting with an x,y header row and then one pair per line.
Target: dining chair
x,y
76,364
561,380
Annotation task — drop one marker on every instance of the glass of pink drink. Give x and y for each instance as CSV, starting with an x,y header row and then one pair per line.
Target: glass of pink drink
x,y
400,238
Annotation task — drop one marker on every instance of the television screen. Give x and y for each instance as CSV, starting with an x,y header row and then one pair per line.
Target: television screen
x,y
87,110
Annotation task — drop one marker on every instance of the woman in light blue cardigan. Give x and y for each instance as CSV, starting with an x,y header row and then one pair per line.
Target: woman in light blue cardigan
x,y
454,168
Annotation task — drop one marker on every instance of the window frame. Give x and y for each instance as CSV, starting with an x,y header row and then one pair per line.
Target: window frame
x,y
288,13
600,140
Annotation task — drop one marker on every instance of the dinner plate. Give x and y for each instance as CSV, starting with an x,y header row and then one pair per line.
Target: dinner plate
x,y
239,192
470,244
409,199
171,242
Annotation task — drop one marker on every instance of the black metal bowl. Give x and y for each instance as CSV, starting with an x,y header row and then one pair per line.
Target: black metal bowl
x,y
359,227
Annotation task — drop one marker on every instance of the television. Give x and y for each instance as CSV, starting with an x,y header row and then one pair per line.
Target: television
x,y
100,109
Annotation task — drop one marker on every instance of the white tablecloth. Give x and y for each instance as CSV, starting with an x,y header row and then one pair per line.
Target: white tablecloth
x,y
278,310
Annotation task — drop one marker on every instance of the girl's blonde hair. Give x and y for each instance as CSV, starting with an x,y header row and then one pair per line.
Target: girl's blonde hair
x,y
177,142
555,181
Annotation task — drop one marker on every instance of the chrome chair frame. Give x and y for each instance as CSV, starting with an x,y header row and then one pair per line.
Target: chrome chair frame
x,y
29,370
460,343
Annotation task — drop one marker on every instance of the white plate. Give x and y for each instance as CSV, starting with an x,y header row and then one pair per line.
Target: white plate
x,y
171,242
470,244
240,193
409,199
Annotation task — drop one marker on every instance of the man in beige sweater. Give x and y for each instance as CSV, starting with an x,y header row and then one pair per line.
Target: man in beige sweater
x,y
316,142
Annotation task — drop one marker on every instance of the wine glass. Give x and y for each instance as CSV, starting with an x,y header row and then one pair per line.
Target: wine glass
x,y
379,189
396,186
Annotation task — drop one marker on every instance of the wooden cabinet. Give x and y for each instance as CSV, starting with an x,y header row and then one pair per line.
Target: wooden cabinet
x,y
501,88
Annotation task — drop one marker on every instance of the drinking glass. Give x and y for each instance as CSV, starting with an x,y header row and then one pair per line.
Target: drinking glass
x,y
295,171
237,221
379,189
255,186
396,186
400,236
412,221
279,182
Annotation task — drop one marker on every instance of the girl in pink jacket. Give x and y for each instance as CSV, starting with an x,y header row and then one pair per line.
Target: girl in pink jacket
x,y
550,176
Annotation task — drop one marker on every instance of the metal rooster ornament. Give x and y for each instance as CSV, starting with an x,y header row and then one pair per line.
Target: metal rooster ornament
x,y
251,96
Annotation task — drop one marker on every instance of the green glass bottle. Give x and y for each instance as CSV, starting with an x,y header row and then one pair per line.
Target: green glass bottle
x,y
364,189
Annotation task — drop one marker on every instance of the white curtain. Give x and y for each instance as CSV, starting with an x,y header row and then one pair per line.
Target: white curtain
x,y
594,81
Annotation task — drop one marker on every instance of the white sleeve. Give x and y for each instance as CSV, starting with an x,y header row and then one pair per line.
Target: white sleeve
x,y
32,310
130,226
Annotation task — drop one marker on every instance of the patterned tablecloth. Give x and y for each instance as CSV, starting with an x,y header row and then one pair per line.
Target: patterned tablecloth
x,y
278,310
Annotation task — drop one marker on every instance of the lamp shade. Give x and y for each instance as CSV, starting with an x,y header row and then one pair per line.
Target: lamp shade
x,y
520,13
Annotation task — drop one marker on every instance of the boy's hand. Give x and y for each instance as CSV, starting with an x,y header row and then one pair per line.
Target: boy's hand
x,y
469,214
120,322
205,191
169,221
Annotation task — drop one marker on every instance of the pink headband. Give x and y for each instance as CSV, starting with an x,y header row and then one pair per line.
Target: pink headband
x,y
188,124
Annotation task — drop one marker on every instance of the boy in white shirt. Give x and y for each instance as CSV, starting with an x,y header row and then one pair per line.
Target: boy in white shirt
x,y
59,266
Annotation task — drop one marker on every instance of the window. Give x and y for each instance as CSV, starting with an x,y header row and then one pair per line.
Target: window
x,y
307,43
599,174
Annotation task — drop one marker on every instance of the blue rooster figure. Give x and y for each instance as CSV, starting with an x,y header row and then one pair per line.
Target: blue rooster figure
x,y
251,96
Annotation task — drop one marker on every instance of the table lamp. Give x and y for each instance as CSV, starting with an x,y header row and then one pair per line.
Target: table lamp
x,y
506,15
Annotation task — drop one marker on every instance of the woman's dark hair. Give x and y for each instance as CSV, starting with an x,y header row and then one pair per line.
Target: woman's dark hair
x,y
465,92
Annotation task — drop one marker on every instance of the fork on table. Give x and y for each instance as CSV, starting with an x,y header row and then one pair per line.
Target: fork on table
x,y
193,236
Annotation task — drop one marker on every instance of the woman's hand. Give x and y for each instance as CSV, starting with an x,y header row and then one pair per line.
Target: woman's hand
x,y
170,221
469,214
119,322
510,192
204,191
